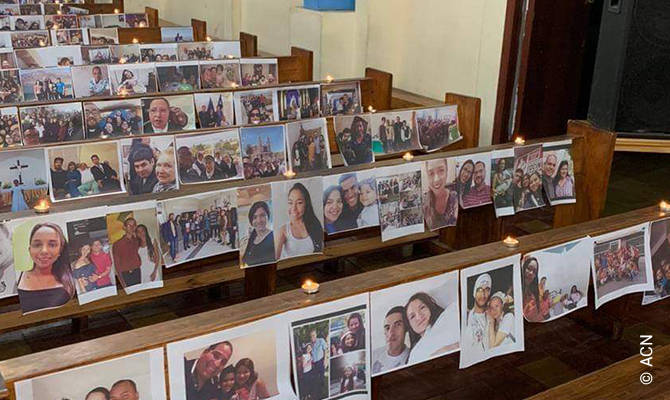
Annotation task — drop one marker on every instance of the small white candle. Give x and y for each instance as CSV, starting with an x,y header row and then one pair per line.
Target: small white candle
x,y
42,207
289,174
511,242
310,287
519,141
665,206
408,156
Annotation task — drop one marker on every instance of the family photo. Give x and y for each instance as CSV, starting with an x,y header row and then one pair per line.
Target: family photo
x,y
502,181
97,55
354,139
491,325
178,76
11,90
44,84
550,290
414,323
394,132
103,36
350,201
209,157
10,128
437,127
258,72
660,261
399,198
220,74
299,103
198,226
528,169
28,39
263,151
255,107
68,37
113,118
215,110
130,79
158,52
52,123
254,218
309,146
149,165
341,99
168,114
91,81
440,197
24,180
195,51
558,173
473,182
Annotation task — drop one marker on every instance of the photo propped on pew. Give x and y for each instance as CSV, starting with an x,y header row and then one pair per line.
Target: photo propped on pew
x,y
46,84
215,110
437,127
255,223
67,37
331,350
258,71
660,261
113,118
308,144
7,59
263,151
558,173
440,198
25,174
178,76
550,290
130,79
220,74
91,81
149,164
176,34
135,236
168,114
12,90
44,57
394,132
256,106
350,201
7,270
252,363
299,102
55,123
10,128
473,182
158,52
103,36
399,198
353,135
97,55
622,263
137,376
341,98
27,39
503,181
528,164
124,53
209,157
414,322
491,316
198,226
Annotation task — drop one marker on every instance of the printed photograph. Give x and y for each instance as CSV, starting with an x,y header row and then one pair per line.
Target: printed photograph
x,y
299,103
149,164
263,151
10,128
125,53
113,118
198,226
394,132
550,290
90,21
103,36
158,52
222,49
7,270
503,181
10,8
254,218
298,219
473,182
341,99
71,177
24,40
437,127
168,114
400,209
350,201
258,71
67,37
660,261
353,135
91,81
178,77
308,143
23,175
62,21
558,173
26,22
43,57
46,84
177,34
220,74
528,188
31,9
491,325
129,79
96,55
215,110
195,51
210,157
51,124
136,20
112,21
255,107
414,322
137,376
5,22
11,90
440,197
7,59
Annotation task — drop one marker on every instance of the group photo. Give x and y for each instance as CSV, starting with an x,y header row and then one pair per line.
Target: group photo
x,y
558,173
27,39
440,197
255,224
168,114
473,181
11,90
256,107
394,132
215,110
178,77
158,52
130,79
52,123
528,168
437,127
124,53
660,261
209,157
309,146
220,74
350,201
399,198
24,180
149,165
258,72
10,128
44,84
263,151
103,36
341,99
113,118
299,103
354,139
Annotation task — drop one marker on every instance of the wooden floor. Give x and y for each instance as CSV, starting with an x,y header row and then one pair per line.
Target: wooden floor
x,y
556,352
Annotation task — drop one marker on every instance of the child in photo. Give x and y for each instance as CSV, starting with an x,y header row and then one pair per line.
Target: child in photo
x,y
368,197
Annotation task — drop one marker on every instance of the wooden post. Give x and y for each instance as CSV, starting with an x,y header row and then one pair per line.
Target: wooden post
x,y
382,89
79,324
199,30
249,44
376,387
307,62
152,16
260,281
298,67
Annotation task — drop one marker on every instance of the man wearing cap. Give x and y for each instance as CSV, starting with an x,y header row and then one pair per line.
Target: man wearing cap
x,y
475,325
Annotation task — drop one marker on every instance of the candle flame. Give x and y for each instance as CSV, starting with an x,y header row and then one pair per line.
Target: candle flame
x,y
519,140
408,156
135,41
116,11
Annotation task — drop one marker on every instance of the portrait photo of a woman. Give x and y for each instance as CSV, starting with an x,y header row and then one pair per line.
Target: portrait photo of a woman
x,y
303,233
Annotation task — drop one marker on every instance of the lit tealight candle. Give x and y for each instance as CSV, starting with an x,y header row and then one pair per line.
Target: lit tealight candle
x,y
56,26
122,60
371,109
135,41
329,78
42,207
208,38
234,85
665,206
511,242
59,11
143,24
41,43
310,287
519,141
116,11
408,156
230,56
289,174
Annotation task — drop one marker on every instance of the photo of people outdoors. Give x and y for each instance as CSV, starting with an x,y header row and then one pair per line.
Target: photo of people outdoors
x,y
502,181
84,170
7,270
66,37
341,99
329,350
129,79
90,256
10,128
254,218
215,110
97,55
399,198
195,51
91,81
176,34
263,151
113,118
440,197
414,322
158,52
23,176
660,261
394,132
221,74
299,103
43,57
354,139
528,169
44,84
168,114
298,218
558,173
198,226
103,36
255,107
622,263
209,157
258,72
473,182
11,90
52,123
41,258
24,40
149,164
133,233
491,325
245,362
309,146
550,290
112,21
350,201
124,53
437,127
137,376
178,77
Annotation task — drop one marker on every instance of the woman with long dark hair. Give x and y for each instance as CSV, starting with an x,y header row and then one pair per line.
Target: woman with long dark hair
x,y
464,180
259,249
333,205
427,323
248,385
441,206
49,283
151,261
564,185
531,291
303,234
347,380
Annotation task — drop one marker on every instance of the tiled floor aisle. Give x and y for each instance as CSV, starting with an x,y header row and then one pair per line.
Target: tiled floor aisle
x,y
556,352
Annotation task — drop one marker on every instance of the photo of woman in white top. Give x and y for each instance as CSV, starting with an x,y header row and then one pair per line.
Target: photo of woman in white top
x,y
500,324
428,324
303,233
149,256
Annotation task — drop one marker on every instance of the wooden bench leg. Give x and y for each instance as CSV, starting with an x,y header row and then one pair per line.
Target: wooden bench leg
x,y
332,267
79,324
260,281
609,320
215,292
